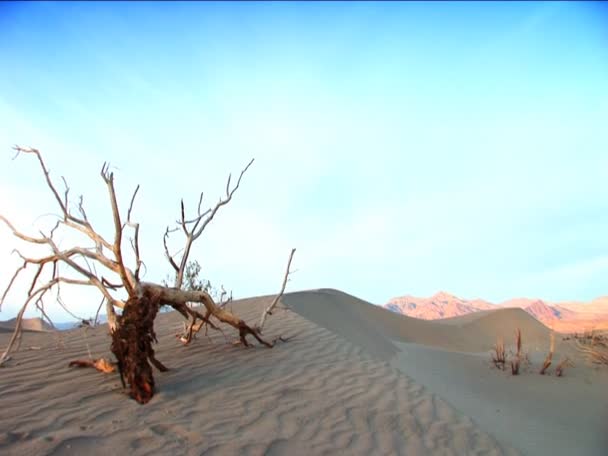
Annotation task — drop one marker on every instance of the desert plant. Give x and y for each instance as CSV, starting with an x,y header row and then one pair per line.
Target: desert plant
x,y
499,357
595,353
559,370
549,357
593,346
515,363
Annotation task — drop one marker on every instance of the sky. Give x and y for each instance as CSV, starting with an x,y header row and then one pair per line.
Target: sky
x,y
400,147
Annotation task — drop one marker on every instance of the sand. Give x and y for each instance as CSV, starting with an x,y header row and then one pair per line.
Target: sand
x,y
355,379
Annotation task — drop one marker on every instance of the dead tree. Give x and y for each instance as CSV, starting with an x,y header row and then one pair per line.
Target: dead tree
x,y
102,265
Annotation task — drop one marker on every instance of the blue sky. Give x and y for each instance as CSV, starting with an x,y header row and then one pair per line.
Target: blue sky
x,y
402,148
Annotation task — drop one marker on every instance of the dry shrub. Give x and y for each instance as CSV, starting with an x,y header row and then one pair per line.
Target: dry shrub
x,y
515,364
559,370
595,353
598,352
549,357
593,346
499,357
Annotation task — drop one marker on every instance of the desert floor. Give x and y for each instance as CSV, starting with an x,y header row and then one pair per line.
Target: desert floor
x,y
353,379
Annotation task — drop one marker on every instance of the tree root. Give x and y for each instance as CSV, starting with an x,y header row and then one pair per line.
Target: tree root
x,y
101,364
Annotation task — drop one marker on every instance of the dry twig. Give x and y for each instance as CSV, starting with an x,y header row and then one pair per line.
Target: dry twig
x,y
499,355
515,363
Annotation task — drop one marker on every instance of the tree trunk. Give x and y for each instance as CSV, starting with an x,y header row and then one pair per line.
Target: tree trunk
x,y
132,345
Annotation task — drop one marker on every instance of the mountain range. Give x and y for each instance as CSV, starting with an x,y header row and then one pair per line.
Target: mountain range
x,y
562,317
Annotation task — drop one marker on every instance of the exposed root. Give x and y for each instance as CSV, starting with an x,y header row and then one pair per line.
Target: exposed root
x,y
101,364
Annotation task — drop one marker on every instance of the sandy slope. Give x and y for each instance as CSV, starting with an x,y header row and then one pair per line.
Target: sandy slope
x,y
358,321
538,415
319,393
356,379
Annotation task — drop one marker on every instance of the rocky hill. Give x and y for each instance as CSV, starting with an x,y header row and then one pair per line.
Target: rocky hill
x,y
563,317
28,324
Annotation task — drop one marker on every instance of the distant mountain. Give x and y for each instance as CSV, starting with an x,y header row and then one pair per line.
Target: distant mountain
x,y
548,313
597,306
440,305
38,324
64,326
563,317
28,324
522,303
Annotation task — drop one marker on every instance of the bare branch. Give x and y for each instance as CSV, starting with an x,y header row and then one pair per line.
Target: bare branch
x,y
127,280
114,286
21,235
65,256
81,209
200,201
65,193
198,217
64,307
81,225
16,333
183,219
229,194
135,240
167,254
131,204
269,309
36,276
201,222
40,306
10,284
36,294
222,294
98,310
178,298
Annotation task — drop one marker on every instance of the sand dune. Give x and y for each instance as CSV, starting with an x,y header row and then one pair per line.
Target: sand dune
x,y
538,415
358,320
355,379
485,326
